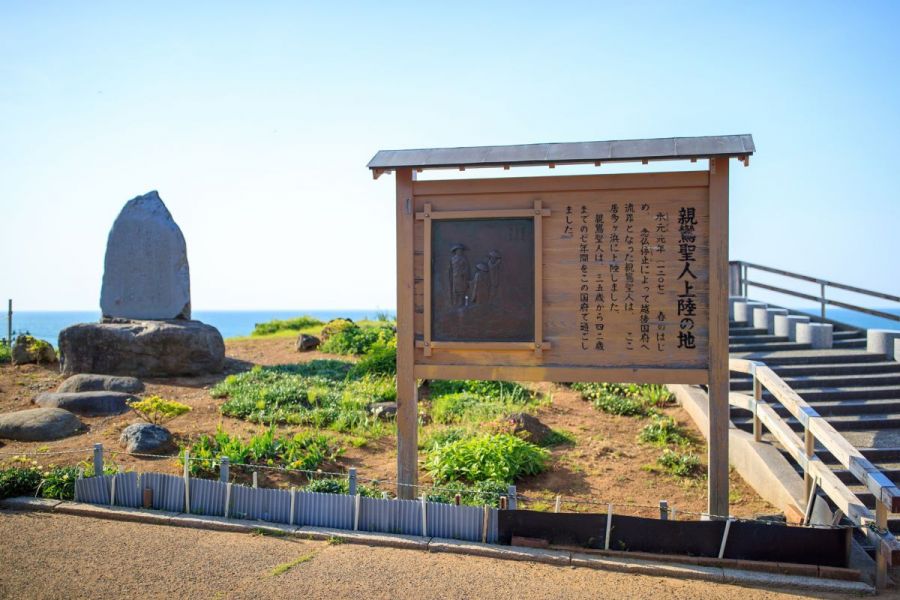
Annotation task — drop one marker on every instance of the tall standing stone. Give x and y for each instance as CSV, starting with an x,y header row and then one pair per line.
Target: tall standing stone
x,y
146,272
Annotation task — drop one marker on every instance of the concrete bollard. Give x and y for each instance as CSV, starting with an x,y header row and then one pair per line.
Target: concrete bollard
x,y
743,311
897,349
764,318
786,325
731,302
881,341
818,335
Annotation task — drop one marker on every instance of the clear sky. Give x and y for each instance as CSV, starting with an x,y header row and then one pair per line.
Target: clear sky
x,y
255,121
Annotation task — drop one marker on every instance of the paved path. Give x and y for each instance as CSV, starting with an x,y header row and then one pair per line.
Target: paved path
x,y
63,556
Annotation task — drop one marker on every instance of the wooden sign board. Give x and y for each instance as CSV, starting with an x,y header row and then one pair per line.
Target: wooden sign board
x,y
582,278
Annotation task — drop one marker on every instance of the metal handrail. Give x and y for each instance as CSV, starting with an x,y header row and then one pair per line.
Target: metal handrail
x,y
744,283
817,429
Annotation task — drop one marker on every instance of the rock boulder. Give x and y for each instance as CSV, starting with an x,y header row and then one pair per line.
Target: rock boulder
x,y
306,342
89,404
145,437
142,348
146,273
529,427
28,349
89,382
38,424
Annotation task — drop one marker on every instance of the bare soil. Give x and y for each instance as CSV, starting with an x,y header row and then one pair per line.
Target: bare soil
x,y
605,464
64,556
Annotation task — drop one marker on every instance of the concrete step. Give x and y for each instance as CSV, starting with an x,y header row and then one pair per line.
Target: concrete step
x,y
877,456
890,470
862,368
745,331
841,380
850,343
758,339
846,392
841,423
752,346
811,357
850,334
834,408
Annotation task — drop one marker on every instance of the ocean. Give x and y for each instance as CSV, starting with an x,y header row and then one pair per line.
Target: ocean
x,y
46,325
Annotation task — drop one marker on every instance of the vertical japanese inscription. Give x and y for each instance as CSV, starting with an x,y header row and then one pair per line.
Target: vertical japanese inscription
x,y
687,299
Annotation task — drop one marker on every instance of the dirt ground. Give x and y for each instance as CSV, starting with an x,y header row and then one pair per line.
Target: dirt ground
x,y
605,464
79,557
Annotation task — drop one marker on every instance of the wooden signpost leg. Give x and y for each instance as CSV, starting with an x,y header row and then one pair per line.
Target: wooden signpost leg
x,y
407,411
718,337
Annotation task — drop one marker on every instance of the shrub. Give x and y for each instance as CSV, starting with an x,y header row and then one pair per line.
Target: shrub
x,y
380,359
302,451
680,465
59,483
19,481
341,486
276,325
5,352
157,411
502,457
49,482
346,337
625,399
662,431
479,494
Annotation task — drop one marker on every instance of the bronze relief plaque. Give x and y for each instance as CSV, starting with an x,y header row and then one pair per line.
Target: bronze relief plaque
x,y
482,280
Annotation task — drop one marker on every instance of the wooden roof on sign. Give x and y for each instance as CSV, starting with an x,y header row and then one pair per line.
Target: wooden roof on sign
x,y
675,148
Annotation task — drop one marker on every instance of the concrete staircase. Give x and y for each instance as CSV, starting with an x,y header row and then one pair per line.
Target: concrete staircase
x,y
858,392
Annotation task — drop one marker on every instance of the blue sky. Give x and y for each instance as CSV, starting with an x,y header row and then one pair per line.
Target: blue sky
x,y
255,122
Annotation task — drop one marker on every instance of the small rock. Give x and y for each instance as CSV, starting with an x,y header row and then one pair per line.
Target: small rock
x,y
86,382
306,342
145,437
38,424
28,349
383,410
89,404
536,431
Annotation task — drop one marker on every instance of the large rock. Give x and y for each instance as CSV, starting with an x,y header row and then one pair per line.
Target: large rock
x,y
307,343
38,424
142,348
27,349
529,427
91,382
145,437
89,404
146,273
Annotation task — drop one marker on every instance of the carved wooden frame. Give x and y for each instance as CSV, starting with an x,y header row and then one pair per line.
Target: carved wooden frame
x,y
427,216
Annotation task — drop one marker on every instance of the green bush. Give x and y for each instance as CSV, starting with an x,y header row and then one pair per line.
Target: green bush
x,y
662,431
502,457
478,494
346,337
5,352
302,451
625,399
276,325
48,482
19,481
157,411
680,465
59,483
341,486
380,359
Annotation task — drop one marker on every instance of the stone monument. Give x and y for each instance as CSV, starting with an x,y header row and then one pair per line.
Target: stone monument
x,y
146,329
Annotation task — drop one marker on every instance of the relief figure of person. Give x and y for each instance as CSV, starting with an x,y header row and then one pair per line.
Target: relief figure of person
x,y
493,265
481,284
459,275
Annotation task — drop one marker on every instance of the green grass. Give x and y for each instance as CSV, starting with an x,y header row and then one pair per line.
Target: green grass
x,y
664,431
474,402
285,567
625,399
684,465
292,326
305,450
502,457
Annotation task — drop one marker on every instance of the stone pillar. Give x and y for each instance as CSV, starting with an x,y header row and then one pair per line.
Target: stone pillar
x,y
819,335
731,302
743,311
882,341
764,318
786,325
897,349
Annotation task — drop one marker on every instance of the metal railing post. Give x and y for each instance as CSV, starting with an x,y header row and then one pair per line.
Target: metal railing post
x,y
757,398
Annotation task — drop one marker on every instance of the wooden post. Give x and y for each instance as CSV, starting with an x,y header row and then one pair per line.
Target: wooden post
x,y
881,561
98,460
407,410
757,397
718,337
513,501
663,510
9,324
810,443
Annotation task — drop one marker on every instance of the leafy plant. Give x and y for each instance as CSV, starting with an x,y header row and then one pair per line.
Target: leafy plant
x,y
347,337
19,481
277,325
662,431
380,359
478,494
156,410
625,399
502,457
444,436
341,486
59,483
680,465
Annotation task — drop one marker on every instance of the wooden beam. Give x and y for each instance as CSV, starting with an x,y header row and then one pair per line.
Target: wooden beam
x,y
719,418
407,410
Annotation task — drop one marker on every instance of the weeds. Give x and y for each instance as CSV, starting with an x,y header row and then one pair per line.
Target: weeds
x,y
663,431
625,399
502,457
285,567
341,486
480,493
680,465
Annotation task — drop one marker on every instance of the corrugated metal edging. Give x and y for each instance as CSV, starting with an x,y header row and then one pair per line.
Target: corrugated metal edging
x,y
94,490
260,504
208,497
455,522
324,510
127,491
390,516
168,491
